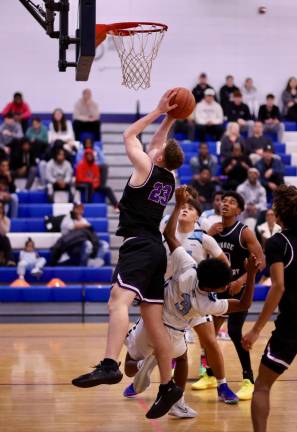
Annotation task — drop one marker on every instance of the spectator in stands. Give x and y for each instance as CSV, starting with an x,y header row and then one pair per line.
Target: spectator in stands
x,y
59,175
6,258
88,178
60,129
271,170
211,220
23,163
227,91
8,189
250,97
270,116
10,134
231,137
88,143
289,99
38,136
254,196
255,144
269,227
239,112
86,116
19,109
208,117
204,160
199,89
29,259
205,188
235,168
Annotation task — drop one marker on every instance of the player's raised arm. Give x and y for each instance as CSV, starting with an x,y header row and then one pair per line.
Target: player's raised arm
x,y
181,197
140,160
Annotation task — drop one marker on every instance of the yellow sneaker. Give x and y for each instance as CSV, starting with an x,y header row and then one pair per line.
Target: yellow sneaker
x,y
205,382
246,390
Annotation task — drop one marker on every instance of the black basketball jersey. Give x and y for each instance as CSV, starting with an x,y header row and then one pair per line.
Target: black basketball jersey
x,y
142,207
230,242
282,247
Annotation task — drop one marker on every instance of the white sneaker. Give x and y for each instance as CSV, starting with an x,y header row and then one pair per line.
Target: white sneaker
x,y
37,272
142,379
181,410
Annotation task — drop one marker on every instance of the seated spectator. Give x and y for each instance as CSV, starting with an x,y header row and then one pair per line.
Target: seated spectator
x,y
29,259
59,175
271,170
88,179
289,99
186,127
86,116
19,109
199,89
8,189
211,220
78,241
254,196
38,136
6,258
226,92
250,97
239,112
88,143
204,160
230,137
23,163
269,115
205,188
235,168
10,134
255,144
60,129
208,117
269,227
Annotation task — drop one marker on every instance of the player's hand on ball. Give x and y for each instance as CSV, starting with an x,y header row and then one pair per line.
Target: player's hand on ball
x,y
249,339
181,196
164,104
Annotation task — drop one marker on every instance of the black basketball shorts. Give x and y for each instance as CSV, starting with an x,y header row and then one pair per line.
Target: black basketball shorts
x,y
280,351
141,268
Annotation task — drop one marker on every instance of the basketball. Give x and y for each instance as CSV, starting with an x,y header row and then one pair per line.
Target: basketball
x,y
185,103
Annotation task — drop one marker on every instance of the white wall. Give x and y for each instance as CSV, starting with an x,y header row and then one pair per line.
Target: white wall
x,y
216,36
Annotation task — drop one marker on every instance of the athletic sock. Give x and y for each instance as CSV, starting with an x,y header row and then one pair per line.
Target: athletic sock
x,y
221,381
209,372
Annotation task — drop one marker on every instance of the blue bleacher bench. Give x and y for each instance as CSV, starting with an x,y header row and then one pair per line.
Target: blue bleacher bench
x,y
44,253
41,210
40,197
37,224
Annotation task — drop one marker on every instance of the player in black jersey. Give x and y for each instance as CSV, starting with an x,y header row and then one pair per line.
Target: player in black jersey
x,y
142,256
237,241
281,255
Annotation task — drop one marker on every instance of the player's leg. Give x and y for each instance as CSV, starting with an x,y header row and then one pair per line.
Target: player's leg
x,y
215,374
235,324
260,401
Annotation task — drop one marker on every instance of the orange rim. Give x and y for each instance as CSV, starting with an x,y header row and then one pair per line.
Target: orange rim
x,y
126,29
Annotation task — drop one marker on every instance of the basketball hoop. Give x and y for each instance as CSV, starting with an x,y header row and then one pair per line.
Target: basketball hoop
x,y
137,44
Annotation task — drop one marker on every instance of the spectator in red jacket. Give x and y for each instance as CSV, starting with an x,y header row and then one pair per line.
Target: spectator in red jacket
x,y
20,109
88,178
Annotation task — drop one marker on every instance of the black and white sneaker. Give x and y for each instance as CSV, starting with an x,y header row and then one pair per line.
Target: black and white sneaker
x,y
106,372
167,396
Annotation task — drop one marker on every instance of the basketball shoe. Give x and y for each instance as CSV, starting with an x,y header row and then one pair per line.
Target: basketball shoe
x,y
246,390
226,395
129,391
167,396
205,382
142,378
106,372
181,410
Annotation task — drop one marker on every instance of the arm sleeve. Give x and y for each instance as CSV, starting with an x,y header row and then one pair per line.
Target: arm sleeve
x,y
275,249
211,246
219,115
181,260
27,112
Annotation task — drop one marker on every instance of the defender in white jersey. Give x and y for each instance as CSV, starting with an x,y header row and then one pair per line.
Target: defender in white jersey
x,y
189,295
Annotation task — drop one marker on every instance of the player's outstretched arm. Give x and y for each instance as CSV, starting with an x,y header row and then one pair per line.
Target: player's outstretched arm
x,y
253,265
181,197
134,149
272,300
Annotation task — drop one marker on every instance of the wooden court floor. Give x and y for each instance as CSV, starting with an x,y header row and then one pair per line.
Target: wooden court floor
x,y
38,361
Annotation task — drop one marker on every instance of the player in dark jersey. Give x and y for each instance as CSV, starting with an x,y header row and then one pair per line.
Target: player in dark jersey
x,y
281,255
142,256
237,241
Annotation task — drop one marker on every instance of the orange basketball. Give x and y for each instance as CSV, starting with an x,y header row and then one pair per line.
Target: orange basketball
x,y
185,103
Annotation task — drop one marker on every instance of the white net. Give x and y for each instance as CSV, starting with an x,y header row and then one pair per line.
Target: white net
x,y
137,49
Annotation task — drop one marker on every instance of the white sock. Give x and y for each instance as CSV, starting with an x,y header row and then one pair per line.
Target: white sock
x,y
221,381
